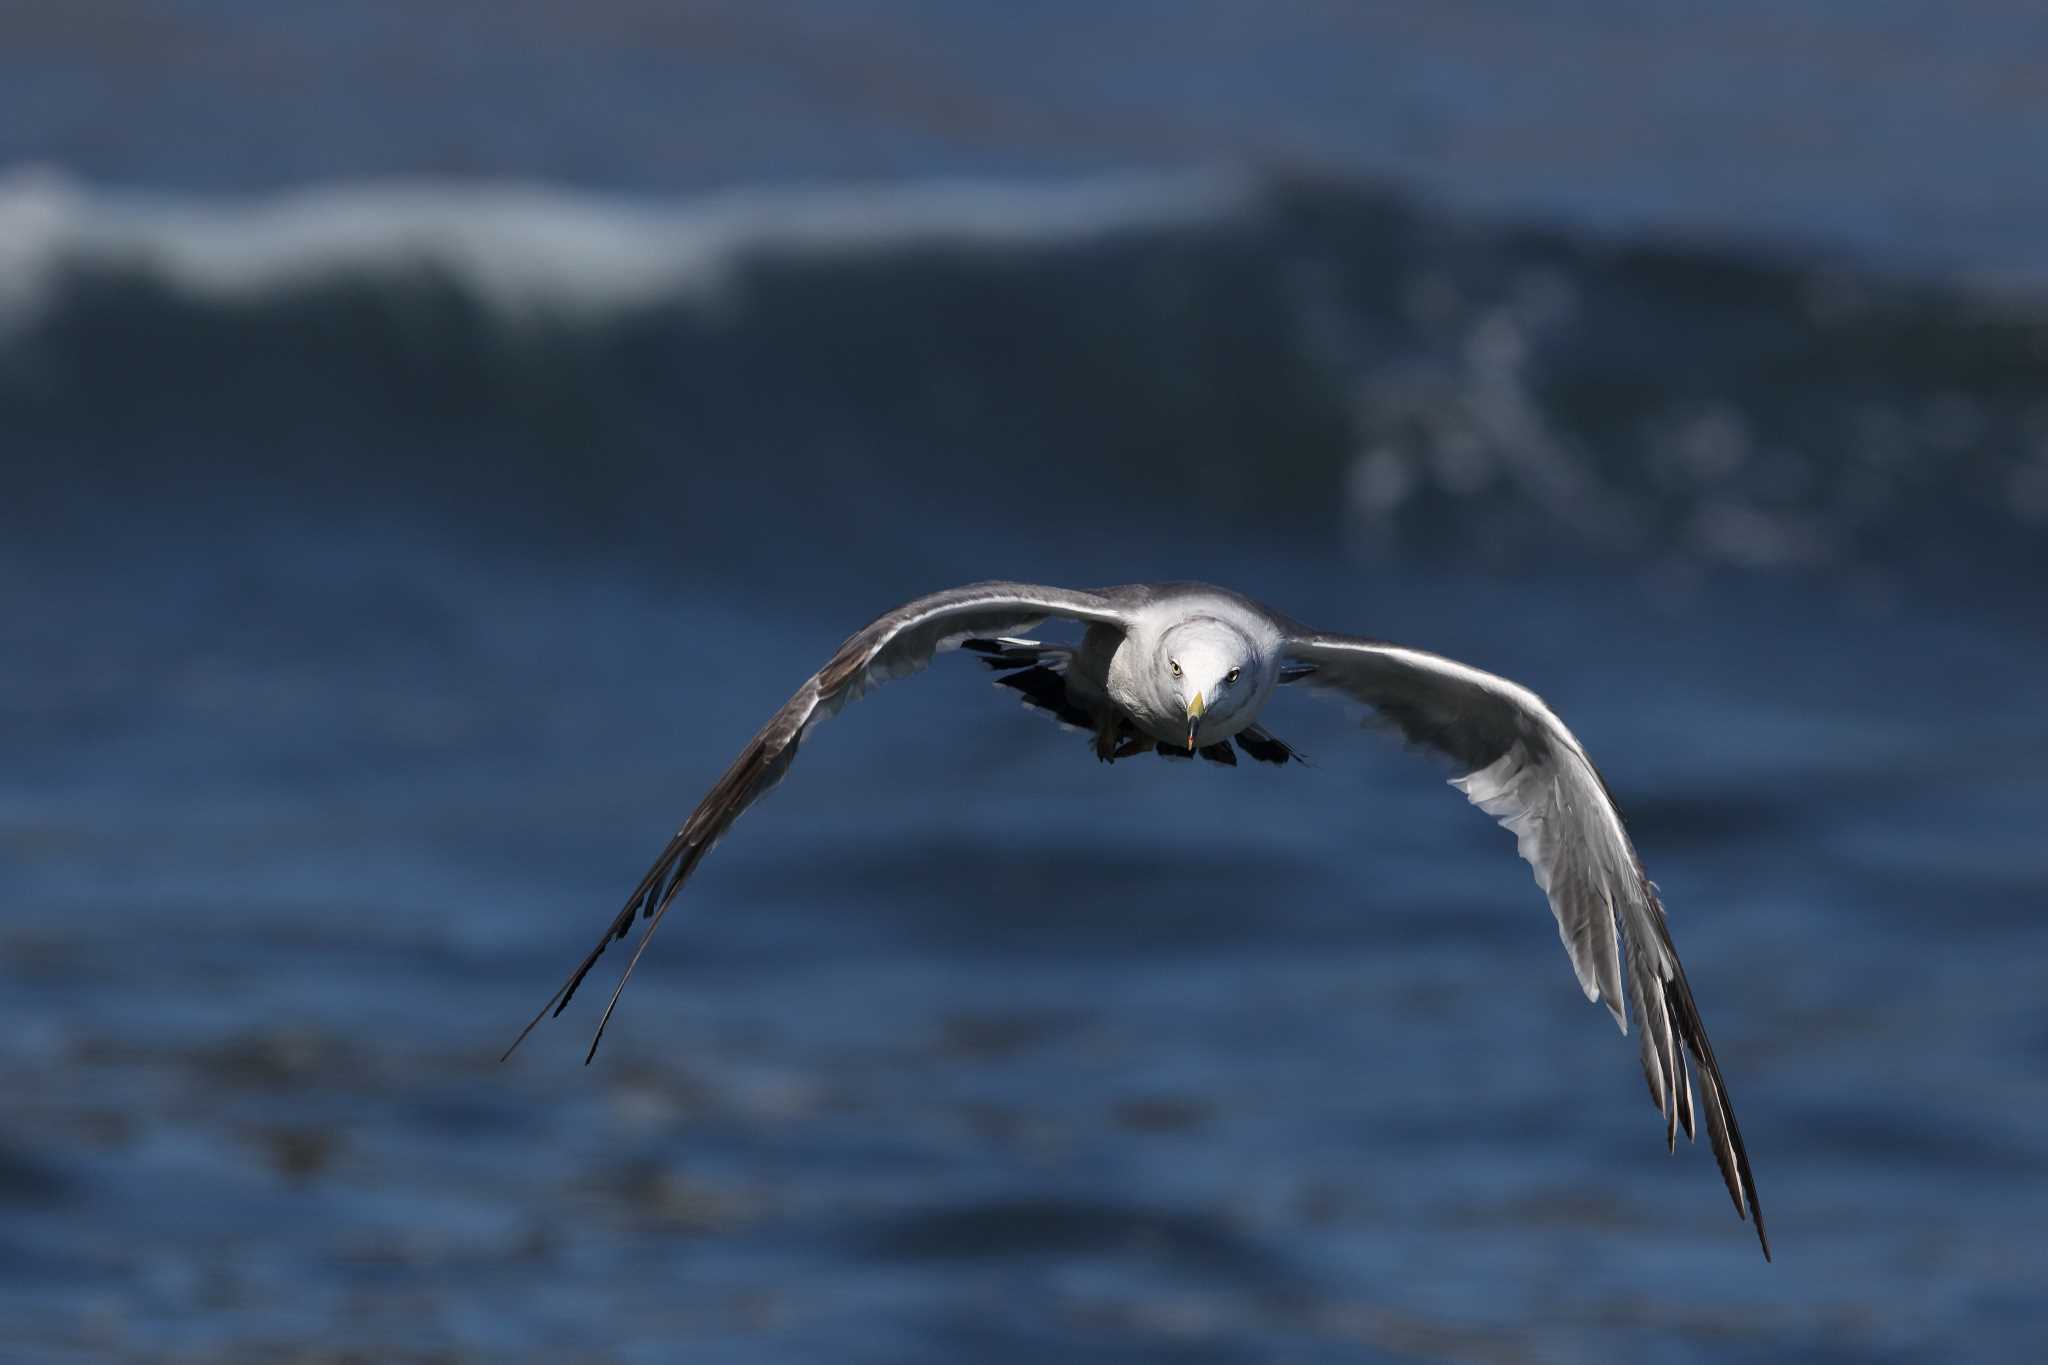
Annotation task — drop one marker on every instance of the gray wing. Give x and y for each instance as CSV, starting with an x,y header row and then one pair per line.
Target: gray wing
x,y
894,646
1524,768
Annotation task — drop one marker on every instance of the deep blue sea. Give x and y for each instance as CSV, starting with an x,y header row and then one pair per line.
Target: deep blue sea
x,y
432,445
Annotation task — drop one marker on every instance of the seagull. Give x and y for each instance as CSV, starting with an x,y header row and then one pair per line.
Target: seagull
x,y
1186,669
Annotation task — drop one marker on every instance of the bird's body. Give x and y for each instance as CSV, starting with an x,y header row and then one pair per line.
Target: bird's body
x,y
1181,669
1119,681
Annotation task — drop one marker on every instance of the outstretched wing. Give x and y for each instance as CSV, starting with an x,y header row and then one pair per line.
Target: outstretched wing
x,y
898,644
1524,768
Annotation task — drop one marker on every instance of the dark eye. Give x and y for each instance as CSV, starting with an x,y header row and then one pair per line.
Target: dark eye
x,y
1176,666
1231,676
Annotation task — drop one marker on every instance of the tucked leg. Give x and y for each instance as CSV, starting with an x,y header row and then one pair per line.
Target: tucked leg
x,y
1108,730
1257,744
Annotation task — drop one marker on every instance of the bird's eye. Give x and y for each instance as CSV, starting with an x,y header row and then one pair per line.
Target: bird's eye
x,y
1175,663
1231,676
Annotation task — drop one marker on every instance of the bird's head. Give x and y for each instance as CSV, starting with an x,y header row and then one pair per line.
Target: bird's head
x,y
1211,671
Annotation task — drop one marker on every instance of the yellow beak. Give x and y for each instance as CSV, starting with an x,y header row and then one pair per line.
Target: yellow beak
x,y
1194,716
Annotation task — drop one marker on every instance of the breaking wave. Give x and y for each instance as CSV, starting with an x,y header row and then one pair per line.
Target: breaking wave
x,y
1290,355
522,250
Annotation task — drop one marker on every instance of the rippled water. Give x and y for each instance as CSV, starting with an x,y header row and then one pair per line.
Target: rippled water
x,y
968,1046
387,565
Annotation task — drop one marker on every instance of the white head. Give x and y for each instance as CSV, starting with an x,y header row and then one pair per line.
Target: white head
x,y
1211,670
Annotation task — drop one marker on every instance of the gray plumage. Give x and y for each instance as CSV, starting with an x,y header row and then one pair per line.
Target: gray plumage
x,y
1185,669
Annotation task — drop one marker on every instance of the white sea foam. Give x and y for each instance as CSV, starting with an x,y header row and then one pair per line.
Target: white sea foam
x,y
525,249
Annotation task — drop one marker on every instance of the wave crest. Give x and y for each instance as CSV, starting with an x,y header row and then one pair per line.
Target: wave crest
x,y
522,249
1281,357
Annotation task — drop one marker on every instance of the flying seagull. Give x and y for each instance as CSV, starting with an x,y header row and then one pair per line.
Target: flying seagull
x,y
1181,669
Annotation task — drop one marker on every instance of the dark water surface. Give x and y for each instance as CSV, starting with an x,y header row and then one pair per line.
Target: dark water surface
x,y
970,1048
1907,131
386,566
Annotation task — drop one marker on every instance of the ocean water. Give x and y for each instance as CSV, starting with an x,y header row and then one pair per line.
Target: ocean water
x,y
391,555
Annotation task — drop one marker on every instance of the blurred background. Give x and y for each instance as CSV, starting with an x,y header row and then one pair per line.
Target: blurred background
x,y
435,437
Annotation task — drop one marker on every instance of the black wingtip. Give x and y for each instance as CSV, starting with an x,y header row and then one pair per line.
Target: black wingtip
x,y
646,937
556,1002
506,1055
1755,1214
598,1037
